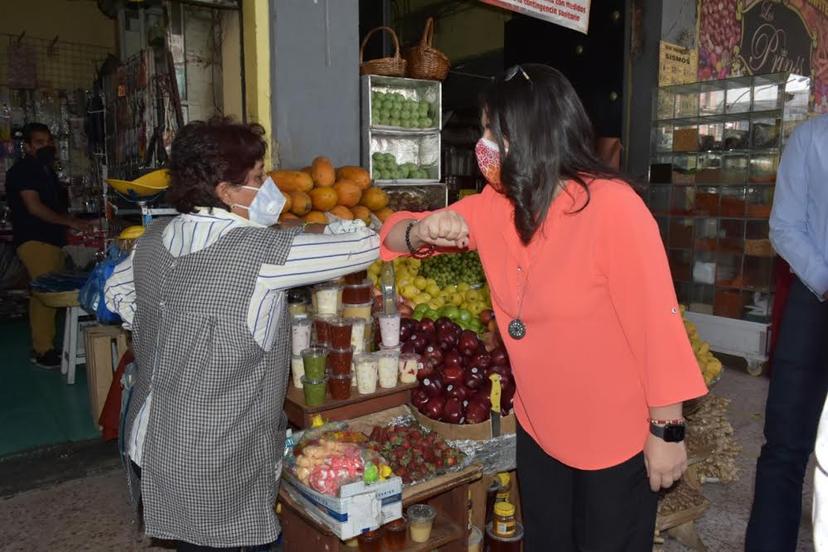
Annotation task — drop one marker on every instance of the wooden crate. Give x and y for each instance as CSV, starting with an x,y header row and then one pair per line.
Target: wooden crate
x,y
105,345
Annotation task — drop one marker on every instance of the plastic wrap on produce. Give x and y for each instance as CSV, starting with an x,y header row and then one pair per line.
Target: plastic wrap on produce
x,y
410,89
420,152
495,455
416,198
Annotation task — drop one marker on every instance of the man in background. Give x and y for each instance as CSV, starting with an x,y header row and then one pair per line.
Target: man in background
x,y
39,223
799,382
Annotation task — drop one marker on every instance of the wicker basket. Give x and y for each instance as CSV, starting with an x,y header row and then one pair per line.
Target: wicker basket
x,y
58,299
425,61
388,66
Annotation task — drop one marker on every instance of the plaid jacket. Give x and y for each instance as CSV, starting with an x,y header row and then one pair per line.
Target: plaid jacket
x,y
216,427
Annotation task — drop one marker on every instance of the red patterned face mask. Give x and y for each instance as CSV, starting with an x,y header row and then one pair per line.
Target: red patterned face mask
x,y
488,159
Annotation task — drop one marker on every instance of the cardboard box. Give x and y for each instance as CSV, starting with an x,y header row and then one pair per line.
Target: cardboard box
x,y
473,432
358,507
686,139
105,345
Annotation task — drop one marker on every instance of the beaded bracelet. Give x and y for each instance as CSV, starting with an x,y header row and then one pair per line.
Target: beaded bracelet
x,y
423,252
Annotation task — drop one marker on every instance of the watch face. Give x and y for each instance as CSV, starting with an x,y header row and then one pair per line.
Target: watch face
x,y
674,433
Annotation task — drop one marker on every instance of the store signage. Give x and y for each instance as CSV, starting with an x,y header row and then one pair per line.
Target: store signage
x,y
676,65
775,39
573,14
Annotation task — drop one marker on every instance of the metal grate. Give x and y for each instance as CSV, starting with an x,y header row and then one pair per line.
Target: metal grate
x,y
29,62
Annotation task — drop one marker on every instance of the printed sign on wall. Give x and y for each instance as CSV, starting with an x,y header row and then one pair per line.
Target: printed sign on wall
x,y
573,14
677,65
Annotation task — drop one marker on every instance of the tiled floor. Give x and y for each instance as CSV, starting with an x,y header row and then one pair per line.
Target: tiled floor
x,y
37,407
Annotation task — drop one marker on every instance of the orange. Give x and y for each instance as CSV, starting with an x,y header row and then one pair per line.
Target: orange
x,y
324,199
384,213
362,213
322,172
315,217
342,212
374,198
301,203
348,193
287,216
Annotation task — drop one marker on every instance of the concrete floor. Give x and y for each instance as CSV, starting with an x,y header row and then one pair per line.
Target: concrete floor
x,y
723,526
74,501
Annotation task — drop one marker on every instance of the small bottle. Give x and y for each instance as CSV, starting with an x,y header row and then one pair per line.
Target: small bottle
x,y
388,286
289,443
504,494
504,523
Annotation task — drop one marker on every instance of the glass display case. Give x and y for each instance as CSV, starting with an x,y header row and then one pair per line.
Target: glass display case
x,y
715,150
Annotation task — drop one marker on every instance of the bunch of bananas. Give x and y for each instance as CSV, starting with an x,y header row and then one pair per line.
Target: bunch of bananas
x,y
710,366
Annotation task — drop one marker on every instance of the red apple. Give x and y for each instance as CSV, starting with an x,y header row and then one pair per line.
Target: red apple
x,y
453,411
452,359
432,385
453,375
467,344
434,407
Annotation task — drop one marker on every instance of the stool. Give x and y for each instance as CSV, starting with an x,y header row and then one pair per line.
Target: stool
x,y
74,350
75,318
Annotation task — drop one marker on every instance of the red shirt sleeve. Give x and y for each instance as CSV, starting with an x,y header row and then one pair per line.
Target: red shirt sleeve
x,y
632,257
469,208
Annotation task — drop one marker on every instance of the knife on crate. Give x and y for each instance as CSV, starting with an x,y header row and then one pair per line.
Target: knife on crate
x,y
495,399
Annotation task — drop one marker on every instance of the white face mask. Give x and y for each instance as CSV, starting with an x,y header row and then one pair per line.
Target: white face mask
x,y
266,206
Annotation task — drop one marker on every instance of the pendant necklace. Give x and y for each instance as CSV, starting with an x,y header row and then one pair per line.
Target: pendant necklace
x,y
517,328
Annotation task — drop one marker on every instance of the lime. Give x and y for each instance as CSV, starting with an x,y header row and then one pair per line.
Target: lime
x,y
465,316
450,311
421,308
433,314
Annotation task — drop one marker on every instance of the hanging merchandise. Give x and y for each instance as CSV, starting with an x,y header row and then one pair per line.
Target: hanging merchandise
x,y
22,63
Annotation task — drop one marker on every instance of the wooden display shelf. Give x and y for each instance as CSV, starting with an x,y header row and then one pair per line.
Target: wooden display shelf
x,y
443,532
299,414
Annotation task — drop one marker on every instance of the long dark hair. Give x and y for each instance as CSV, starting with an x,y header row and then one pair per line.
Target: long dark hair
x,y
535,109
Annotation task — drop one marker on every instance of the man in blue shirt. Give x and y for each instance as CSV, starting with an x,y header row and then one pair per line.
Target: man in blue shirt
x,y
799,233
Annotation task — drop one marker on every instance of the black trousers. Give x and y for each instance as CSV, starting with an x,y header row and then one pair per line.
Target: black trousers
x,y
567,510
798,385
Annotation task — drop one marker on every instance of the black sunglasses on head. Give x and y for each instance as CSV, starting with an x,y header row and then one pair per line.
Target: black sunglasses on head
x,y
514,71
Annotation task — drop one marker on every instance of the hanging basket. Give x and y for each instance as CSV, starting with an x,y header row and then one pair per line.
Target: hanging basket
x,y
425,61
388,66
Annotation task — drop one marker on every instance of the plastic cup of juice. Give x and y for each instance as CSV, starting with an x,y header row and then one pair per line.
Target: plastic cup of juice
x,y
420,520
314,360
315,390
389,329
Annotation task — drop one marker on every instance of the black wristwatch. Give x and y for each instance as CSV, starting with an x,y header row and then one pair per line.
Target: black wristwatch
x,y
670,432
